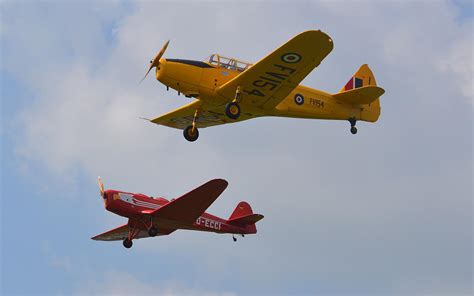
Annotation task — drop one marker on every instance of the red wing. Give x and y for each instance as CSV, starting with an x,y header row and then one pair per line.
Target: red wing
x,y
121,233
190,206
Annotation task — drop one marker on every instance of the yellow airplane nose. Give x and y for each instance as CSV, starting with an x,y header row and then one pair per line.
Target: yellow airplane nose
x,y
160,70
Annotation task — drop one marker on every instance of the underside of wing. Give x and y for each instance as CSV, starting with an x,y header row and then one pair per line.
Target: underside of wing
x,y
118,233
191,205
273,78
208,116
121,233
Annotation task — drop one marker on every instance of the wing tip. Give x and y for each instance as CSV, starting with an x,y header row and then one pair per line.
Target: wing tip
x,y
219,182
317,32
316,36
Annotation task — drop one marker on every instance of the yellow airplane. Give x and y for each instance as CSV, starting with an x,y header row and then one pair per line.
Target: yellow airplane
x,y
227,90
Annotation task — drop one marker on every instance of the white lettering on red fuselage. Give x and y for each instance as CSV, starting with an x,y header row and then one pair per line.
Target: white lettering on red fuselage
x,y
208,223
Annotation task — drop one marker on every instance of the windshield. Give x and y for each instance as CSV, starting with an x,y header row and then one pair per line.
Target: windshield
x,y
227,63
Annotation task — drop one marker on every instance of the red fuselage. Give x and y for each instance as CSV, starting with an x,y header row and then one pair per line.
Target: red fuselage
x,y
139,206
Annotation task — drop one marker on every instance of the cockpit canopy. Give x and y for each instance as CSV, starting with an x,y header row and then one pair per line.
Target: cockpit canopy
x,y
227,63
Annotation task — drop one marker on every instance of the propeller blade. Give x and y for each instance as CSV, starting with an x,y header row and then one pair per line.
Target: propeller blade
x,y
101,187
156,61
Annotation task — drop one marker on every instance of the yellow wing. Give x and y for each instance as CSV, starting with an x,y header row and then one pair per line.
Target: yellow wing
x,y
209,115
270,80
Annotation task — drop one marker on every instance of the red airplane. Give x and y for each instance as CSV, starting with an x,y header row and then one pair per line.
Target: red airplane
x,y
149,217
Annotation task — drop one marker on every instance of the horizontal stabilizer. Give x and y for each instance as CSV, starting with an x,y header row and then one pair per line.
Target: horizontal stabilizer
x,y
361,96
248,219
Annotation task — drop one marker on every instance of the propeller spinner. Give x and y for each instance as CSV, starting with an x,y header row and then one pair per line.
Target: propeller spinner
x,y
156,61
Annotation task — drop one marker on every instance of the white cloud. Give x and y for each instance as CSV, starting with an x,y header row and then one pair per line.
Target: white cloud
x,y
459,64
124,283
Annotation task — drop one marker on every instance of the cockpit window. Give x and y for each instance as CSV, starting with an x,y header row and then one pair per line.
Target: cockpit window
x,y
227,63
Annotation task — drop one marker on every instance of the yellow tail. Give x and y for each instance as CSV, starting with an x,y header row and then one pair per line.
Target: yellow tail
x,y
361,85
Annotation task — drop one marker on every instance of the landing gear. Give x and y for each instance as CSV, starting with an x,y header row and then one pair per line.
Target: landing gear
x,y
353,127
232,109
152,231
133,231
127,243
234,238
191,132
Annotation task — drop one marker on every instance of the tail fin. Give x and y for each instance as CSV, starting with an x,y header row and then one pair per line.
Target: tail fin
x,y
361,77
244,217
362,89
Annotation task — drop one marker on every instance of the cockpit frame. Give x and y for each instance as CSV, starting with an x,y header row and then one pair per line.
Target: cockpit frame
x,y
227,63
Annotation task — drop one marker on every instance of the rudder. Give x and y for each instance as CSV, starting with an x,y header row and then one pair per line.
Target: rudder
x,y
241,210
364,77
361,77
243,216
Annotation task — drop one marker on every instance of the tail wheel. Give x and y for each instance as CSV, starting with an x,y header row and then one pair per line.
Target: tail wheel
x,y
353,121
232,110
189,134
127,243
153,231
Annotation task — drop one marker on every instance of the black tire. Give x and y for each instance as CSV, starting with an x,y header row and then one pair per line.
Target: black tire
x,y
127,243
189,135
232,110
153,231
353,130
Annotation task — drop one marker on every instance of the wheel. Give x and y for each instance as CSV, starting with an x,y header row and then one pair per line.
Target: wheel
x,y
189,134
235,239
232,110
152,231
127,243
353,130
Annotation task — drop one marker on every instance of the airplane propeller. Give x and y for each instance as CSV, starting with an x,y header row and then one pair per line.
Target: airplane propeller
x,y
156,61
101,187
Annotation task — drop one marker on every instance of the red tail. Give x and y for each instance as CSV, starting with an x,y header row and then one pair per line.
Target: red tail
x,y
244,217
242,209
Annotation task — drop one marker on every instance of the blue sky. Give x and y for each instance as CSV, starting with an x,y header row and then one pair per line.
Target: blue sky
x,y
386,212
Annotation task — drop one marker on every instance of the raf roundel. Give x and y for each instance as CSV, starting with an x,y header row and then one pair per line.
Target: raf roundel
x,y
299,99
291,57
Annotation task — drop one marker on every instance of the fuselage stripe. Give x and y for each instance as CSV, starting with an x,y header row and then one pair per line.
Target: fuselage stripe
x,y
148,205
145,204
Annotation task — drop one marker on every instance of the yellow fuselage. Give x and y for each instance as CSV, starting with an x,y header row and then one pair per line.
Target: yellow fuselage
x,y
201,80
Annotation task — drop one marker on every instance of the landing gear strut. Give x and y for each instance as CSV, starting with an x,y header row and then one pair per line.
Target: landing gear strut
x,y
232,109
191,132
234,238
353,127
133,231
